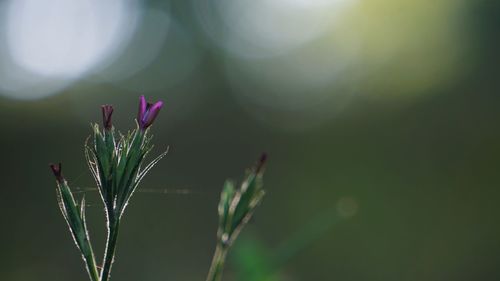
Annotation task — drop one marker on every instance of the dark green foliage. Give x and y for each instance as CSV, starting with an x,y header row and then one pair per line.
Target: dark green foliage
x,y
116,164
117,169
236,207
75,217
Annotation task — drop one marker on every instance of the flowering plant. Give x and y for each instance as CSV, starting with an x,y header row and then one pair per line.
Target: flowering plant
x,y
117,163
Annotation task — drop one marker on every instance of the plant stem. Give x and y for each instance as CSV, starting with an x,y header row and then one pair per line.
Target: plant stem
x,y
91,267
109,254
217,267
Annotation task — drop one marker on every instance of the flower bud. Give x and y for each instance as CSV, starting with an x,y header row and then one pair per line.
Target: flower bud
x,y
107,111
147,112
57,170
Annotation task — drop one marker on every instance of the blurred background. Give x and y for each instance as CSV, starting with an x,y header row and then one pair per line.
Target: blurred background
x,y
380,118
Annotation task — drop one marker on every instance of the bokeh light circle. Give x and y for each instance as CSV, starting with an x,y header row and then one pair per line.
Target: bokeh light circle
x,y
47,45
264,28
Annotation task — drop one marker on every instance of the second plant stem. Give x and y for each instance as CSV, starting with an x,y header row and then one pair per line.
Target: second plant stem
x,y
218,261
109,254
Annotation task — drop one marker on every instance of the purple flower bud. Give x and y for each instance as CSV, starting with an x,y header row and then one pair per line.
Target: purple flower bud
x,y
147,112
107,111
57,170
261,163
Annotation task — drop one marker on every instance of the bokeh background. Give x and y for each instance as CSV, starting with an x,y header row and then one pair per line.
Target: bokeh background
x,y
381,119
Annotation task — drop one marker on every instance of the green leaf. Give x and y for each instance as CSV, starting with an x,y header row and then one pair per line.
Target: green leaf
x,y
236,207
226,198
75,218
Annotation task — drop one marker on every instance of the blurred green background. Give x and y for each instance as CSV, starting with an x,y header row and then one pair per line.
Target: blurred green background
x,y
380,118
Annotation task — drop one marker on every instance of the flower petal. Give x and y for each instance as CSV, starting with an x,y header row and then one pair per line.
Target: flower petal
x,y
152,113
107,111
142,109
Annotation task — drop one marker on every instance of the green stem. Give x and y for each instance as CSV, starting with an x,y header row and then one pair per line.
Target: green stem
x,y
217,267
109,254
91,266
